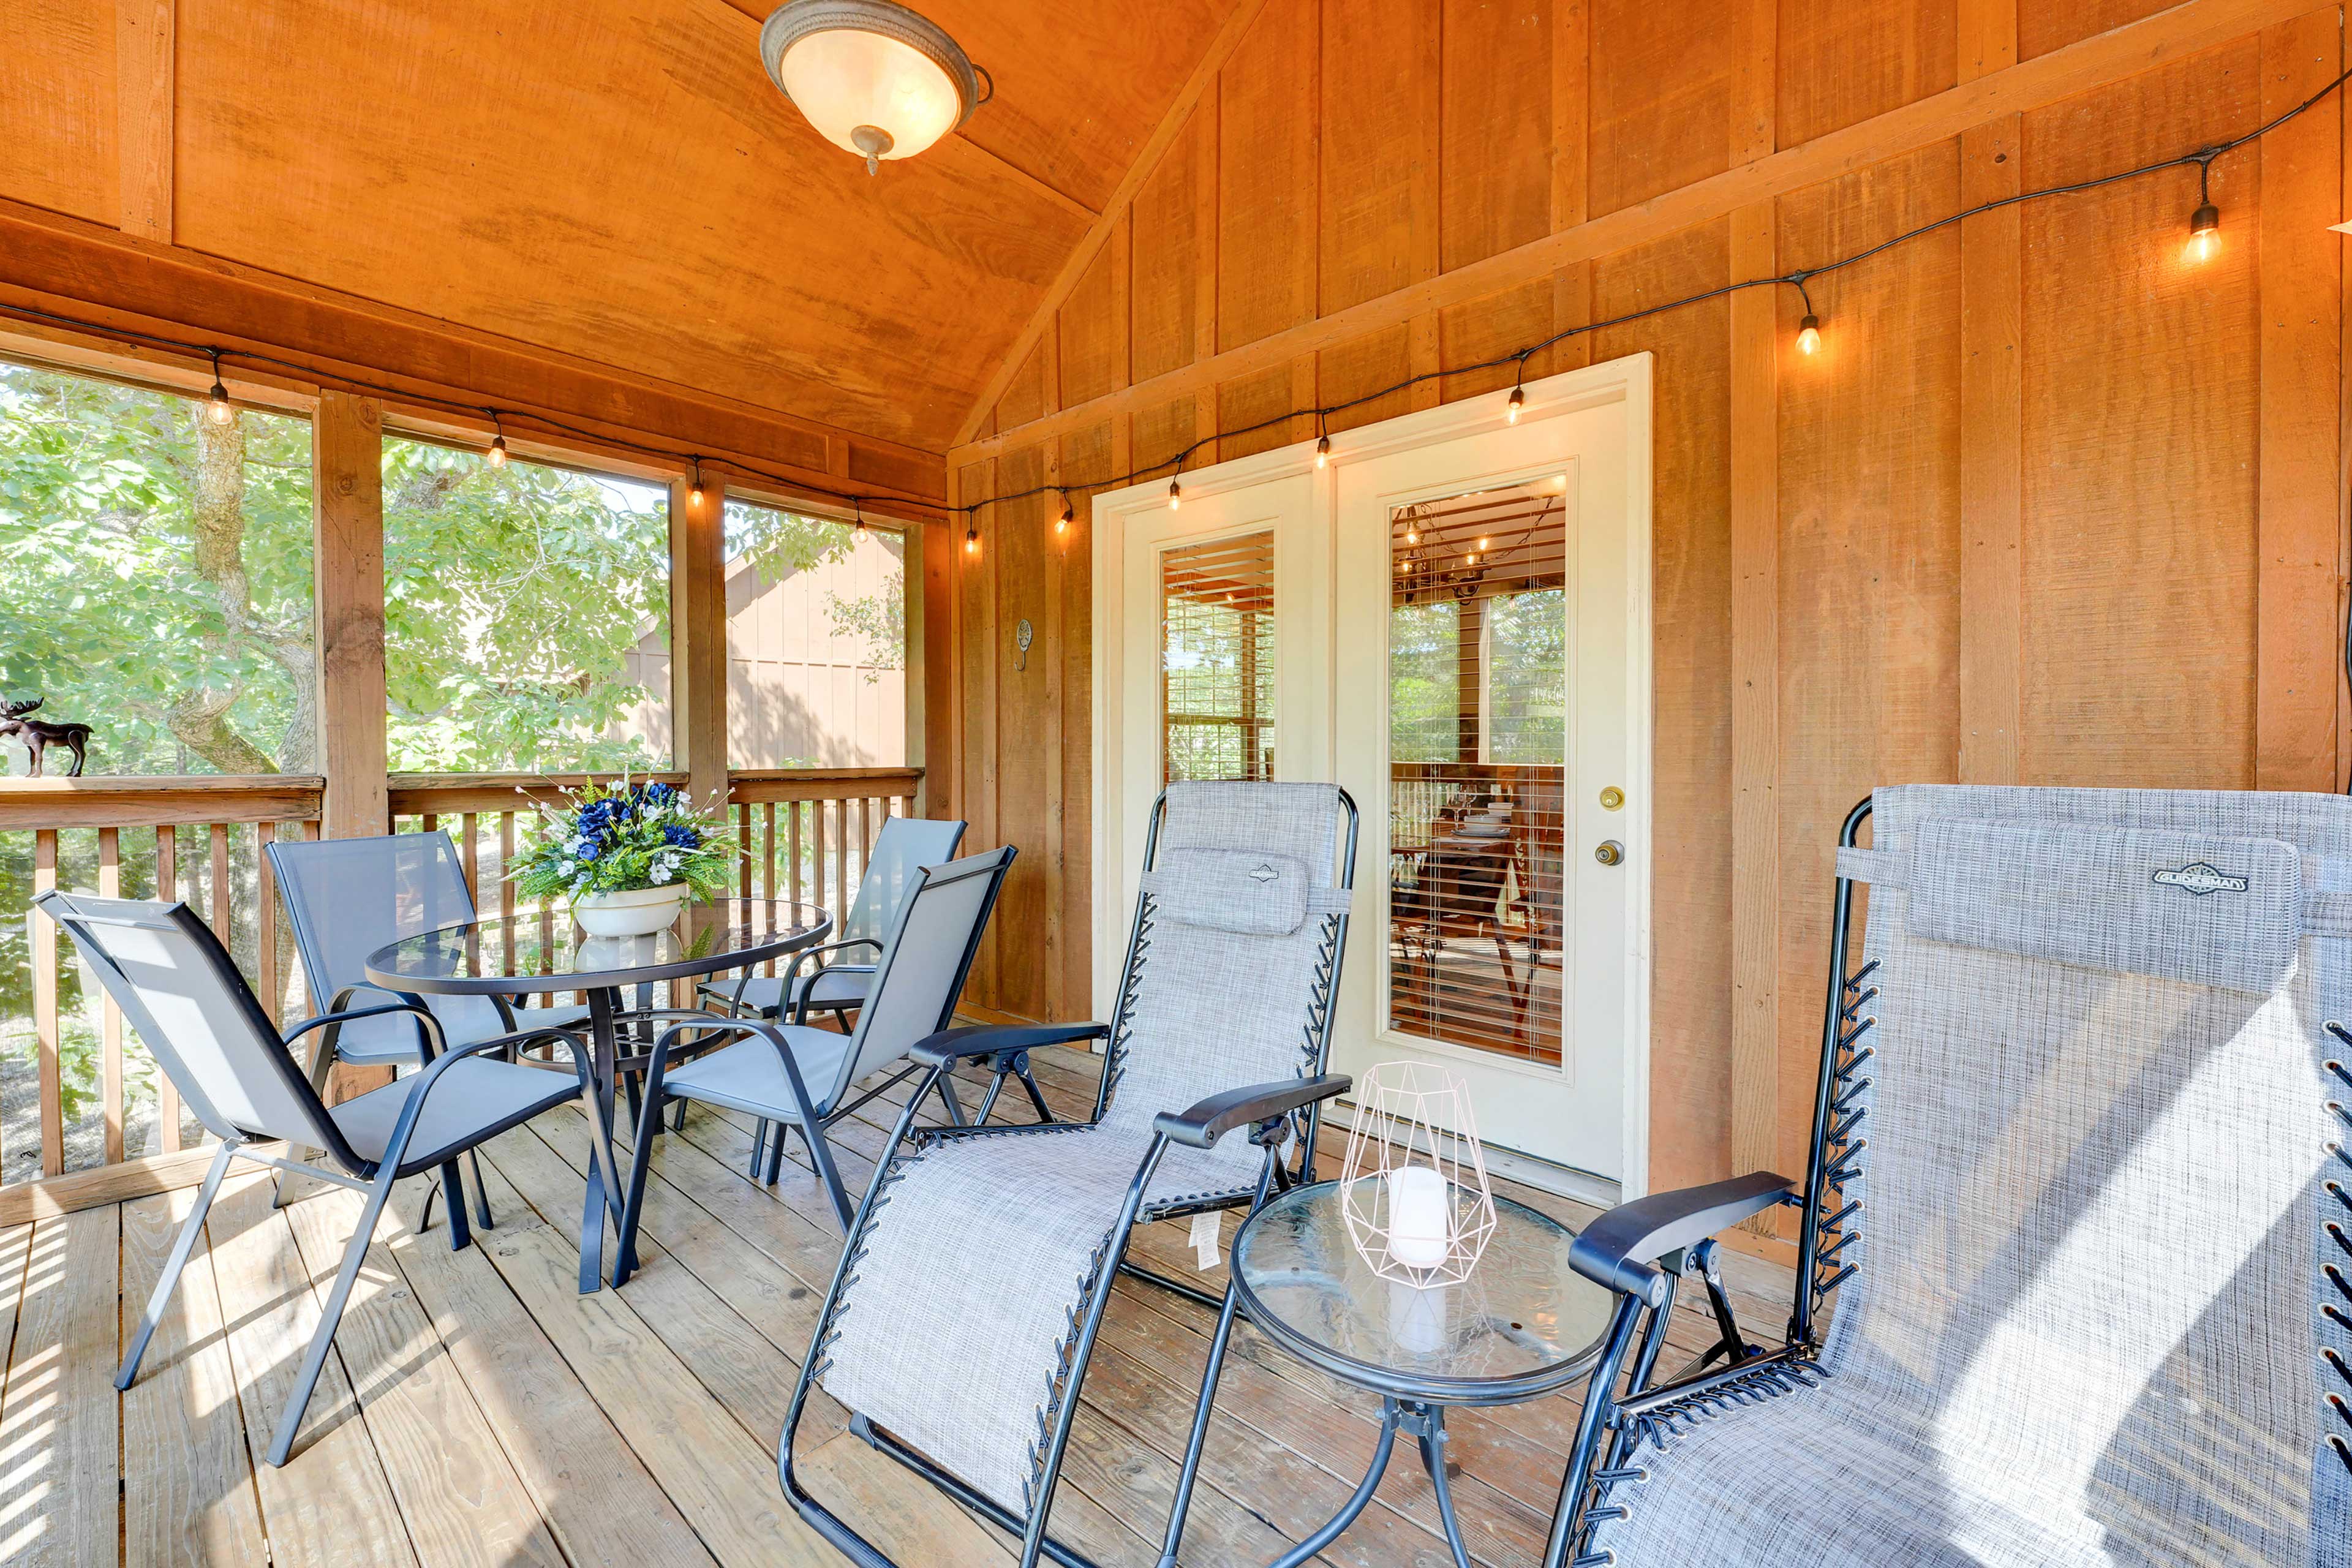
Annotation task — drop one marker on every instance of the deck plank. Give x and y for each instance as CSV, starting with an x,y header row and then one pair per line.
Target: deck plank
x,y
187,1477
58,1415
720,1478
605,1509
463,1504
329,1504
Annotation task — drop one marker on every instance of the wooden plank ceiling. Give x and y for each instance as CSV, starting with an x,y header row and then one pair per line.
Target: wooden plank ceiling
x,y
618,179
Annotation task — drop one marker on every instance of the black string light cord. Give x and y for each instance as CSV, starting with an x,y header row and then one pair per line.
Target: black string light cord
x,y
500,418
2202,160
1797,278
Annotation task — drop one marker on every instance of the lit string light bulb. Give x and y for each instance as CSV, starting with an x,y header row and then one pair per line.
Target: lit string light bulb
x,y
1511,409
972,539
218,407
1069,515
2205,223
1809,335
1176,487
1322,444
497,454
694,491
857,511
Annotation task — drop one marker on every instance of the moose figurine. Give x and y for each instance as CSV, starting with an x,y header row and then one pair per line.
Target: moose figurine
x,y
37,735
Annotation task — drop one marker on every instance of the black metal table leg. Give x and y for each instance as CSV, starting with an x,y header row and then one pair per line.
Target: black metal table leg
x,y
604,1006
1433,1456
1307,1549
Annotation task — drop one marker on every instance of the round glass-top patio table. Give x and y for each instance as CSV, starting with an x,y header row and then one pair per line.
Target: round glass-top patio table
x,y
1521,1326
534,951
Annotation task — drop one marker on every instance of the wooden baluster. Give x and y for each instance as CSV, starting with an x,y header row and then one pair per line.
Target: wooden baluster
x,y
167,888
432,821
827,836
109,886
743,845
265,924
223,909
793,809
768,866
45,1008
472,822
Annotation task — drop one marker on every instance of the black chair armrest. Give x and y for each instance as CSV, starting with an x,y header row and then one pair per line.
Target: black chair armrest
x,y
988,1039
1220,1113
1618,1249
348,1014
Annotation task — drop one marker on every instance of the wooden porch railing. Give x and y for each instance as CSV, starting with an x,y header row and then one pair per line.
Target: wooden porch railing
x,y
200,839
805,834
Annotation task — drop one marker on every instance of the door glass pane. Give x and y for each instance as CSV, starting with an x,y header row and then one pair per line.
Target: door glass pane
x,y
1216,658
1477,739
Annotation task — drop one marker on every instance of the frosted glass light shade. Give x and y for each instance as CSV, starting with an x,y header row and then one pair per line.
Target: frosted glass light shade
x,y
873,78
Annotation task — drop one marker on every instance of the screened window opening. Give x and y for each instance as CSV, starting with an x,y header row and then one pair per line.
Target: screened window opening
x,y
525,615
1478,748
1216,659
816,641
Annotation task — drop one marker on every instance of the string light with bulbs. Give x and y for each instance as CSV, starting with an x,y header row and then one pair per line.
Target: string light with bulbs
x,y
694,491
2205,238
218,407
498,452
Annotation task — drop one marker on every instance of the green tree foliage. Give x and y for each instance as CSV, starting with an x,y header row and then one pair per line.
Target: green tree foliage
x,y
512,597
156,570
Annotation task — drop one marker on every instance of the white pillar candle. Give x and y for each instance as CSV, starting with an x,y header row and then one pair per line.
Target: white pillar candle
x,y
1421,1217
1417,1316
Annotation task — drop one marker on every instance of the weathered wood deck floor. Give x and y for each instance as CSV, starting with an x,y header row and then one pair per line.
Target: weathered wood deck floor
x,y
480,1412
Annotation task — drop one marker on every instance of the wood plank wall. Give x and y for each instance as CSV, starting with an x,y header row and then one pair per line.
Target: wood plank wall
x,y
2052,506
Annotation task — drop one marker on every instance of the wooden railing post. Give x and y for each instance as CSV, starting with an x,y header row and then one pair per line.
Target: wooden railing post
x,y
347,537
347,577
697,637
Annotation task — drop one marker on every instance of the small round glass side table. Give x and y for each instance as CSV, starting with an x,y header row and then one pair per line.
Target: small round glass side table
x,y
1523,1325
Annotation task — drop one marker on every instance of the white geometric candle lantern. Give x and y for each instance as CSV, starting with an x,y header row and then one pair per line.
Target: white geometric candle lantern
x,y
1414,1186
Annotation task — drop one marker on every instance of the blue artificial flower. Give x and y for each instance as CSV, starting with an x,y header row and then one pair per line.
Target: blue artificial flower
x,y
659,793
591,852
683,836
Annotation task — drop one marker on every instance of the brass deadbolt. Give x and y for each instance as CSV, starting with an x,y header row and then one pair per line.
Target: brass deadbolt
x,y
1613,798
1610,852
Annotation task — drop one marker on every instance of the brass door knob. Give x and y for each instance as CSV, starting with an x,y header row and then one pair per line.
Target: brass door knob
x,y
1610,852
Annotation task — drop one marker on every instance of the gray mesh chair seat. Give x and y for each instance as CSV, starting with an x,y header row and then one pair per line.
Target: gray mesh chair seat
x,y
834,978
477,1099
800,1079
1000,1236
748,1074
180,989
960,1323
2077,1194
830,989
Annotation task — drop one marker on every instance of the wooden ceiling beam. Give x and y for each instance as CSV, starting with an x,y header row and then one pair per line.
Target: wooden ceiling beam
x,y
1163,136
2084,66
52,262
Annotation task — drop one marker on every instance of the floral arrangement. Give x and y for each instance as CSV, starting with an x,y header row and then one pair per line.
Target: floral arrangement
x,y
621,837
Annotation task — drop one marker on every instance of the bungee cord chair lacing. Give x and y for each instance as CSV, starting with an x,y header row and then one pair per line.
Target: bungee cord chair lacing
x,y
2078,1192
960,1321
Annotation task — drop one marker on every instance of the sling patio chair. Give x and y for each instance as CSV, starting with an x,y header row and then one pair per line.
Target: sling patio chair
x,y
960,1320
820,981
346,898
2088,1092
800,1078
179,987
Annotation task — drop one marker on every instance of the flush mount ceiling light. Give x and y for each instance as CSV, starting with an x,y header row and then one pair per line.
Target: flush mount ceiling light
x,y
875,79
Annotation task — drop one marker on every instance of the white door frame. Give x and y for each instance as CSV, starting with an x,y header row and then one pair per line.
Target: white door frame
x,y
1626,381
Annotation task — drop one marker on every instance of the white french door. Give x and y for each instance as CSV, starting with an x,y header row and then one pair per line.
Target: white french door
x,y
1451,619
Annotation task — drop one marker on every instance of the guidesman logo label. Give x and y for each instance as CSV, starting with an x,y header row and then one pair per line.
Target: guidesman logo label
x,y
2200,878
